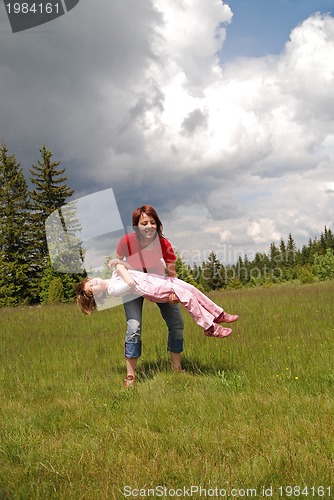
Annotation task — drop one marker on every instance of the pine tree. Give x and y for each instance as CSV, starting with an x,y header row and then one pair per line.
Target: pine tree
x,y
242,271
282,248
213,273
291,251
274,256
315,249
50,193
305,255
275,261
183,271
327,240
197,273
14,231
233,274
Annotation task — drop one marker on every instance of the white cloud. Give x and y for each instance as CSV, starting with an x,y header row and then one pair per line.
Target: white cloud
x,y
262,231
329,187
190,38
266,137
233,157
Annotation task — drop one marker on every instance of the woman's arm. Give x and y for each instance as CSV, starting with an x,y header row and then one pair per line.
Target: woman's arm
x,y
171,270
173,299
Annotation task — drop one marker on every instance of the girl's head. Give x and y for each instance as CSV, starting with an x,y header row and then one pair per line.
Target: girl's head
x,y
86,291
146,222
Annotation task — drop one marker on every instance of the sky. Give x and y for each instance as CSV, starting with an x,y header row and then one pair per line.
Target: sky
x,y
219,114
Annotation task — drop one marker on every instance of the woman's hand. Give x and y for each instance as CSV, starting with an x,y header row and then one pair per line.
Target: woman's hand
x,y
113,263
119,262
173,299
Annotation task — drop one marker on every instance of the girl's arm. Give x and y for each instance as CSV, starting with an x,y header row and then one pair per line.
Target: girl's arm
x,y
120,266
124,274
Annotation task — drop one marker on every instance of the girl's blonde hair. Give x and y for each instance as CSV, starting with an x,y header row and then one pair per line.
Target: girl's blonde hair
x,y
85,301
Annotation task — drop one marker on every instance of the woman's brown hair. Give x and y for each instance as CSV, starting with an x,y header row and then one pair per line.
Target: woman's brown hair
x,y
150,212
85,301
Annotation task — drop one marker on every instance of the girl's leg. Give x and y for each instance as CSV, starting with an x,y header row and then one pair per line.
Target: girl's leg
x,y
200,314
201,298
201,311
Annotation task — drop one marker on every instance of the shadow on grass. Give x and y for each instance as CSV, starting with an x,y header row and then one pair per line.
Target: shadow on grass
x,y
222,375
147,370
4,495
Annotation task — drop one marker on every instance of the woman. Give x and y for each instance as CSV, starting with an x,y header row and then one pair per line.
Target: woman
x,y
147,250
203,310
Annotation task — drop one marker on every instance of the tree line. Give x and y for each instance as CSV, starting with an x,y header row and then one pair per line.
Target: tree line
x,y
26,273
283,262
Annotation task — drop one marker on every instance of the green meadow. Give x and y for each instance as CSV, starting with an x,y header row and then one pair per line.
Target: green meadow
x,y
252,417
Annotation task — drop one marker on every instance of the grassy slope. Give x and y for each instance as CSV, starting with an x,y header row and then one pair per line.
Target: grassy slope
x,y
253,410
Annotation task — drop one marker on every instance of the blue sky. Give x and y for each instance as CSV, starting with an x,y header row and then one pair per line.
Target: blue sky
x,y
262,27
234,152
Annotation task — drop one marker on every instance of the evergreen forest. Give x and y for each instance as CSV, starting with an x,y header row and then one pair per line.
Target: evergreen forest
x,y
27,276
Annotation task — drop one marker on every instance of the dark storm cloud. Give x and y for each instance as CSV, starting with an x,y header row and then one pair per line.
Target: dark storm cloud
x,y
197,119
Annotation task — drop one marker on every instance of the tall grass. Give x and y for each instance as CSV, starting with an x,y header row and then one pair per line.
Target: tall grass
x,y
252,411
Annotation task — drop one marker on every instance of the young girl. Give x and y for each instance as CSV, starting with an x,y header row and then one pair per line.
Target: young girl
x,y
156,288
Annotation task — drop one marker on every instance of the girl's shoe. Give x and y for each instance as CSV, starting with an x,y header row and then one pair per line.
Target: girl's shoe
x,y
129,381
225,317
218,331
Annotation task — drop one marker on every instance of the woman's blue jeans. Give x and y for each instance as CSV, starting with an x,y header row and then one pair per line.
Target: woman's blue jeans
x,y
170,313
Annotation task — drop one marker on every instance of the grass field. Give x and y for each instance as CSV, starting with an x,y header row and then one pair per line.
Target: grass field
x,y
251,418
